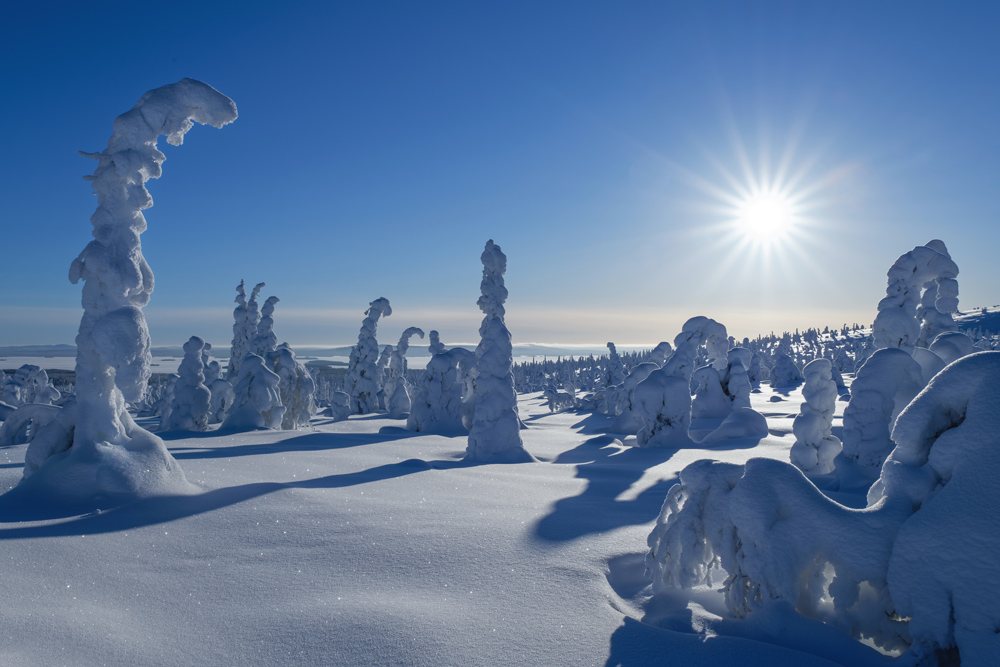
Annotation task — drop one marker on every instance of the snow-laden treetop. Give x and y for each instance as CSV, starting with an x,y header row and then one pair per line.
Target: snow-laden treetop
x,y
117,279
494,294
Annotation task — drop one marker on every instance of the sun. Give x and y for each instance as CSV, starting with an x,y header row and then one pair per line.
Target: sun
x,y
766,216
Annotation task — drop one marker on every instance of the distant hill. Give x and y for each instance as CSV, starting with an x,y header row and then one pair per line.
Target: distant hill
x,y
987,319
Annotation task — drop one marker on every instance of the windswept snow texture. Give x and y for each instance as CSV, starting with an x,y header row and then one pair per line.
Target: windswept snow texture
x,y
358,544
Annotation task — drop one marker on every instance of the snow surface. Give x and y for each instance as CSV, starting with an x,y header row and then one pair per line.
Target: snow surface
x,y
358,543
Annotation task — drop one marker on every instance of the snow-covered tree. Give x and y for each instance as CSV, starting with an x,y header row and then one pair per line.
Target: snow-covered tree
x,y
246,317
495,432
815,445
362,373
437,403
113,347
663,406
222,391
296,388
258,401
888,381
926,271
265,342
398,404
191,399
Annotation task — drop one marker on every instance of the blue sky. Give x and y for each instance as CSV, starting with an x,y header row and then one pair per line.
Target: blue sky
x,y
602,145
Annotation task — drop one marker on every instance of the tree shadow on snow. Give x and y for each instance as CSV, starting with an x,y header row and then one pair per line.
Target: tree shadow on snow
x,y
595,423
610,470
163,509
309,442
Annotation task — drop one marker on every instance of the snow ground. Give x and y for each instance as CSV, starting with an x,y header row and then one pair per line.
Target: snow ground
x,y
359,543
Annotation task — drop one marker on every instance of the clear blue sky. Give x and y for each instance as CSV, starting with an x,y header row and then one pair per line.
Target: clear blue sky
x,y
380,145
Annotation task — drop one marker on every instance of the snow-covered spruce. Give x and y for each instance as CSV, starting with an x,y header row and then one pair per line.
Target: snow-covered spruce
x,y
438,402
222,392
265,342
628,420
907,572
246,316
380,372
191,399
495,432
94,449
784,373
258,402
889,380
663,406
921,296
362,373
340,406
397,398
815,445
296,388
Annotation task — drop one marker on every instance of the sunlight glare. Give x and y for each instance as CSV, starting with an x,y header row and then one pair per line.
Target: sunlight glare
x,y
765,215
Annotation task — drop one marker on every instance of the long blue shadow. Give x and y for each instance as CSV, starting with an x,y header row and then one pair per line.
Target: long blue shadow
x,y
163,509
609,471
310,442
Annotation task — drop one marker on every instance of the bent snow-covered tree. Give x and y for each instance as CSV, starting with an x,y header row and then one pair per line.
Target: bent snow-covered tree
x,y
362,373
397,398
94,446
495,431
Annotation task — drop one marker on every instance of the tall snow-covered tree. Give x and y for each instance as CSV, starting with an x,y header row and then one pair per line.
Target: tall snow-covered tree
x,y
495,432
113,346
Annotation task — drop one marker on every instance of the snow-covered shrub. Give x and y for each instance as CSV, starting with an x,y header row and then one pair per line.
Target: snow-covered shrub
x,y
815,445
296,388
495,431
926,270
888,381
362,373
191,399
398,404
246,317
258,402
559,400
663,404
94,447
340,406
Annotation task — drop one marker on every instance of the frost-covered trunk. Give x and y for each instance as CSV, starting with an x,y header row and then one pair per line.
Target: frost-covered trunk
x,y
113,346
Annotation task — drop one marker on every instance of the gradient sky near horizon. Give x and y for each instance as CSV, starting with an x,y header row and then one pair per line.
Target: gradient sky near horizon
x,y
606,147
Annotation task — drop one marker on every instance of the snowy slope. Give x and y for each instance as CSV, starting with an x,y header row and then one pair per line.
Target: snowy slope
x,y
358,543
